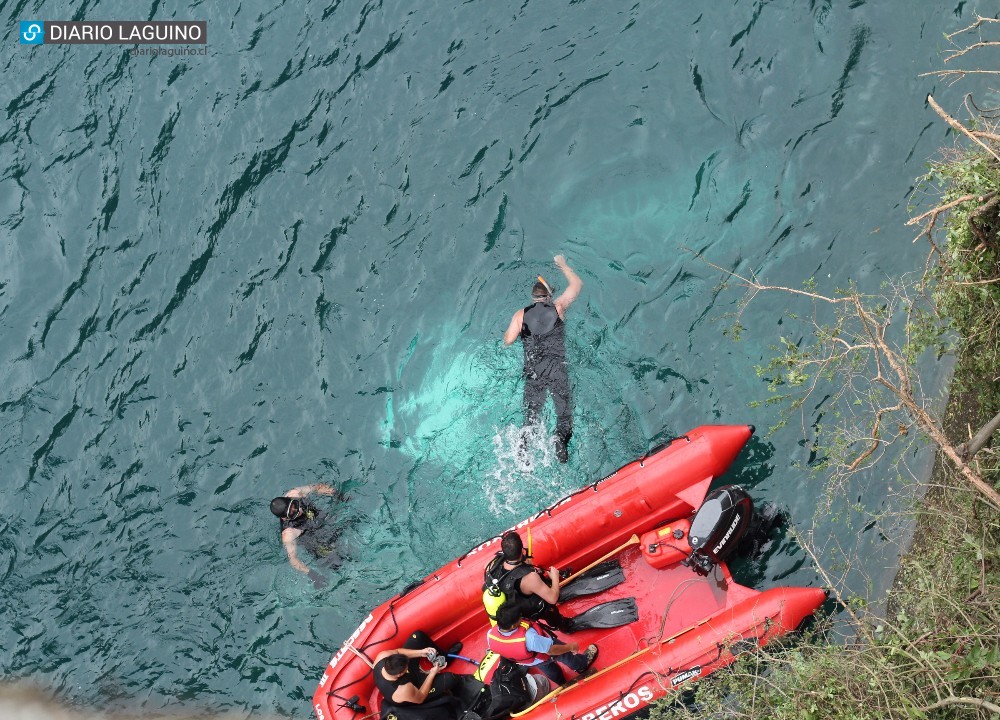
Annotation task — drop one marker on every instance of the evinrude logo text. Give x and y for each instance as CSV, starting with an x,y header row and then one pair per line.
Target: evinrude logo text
x,y
729,532
626,706
686,675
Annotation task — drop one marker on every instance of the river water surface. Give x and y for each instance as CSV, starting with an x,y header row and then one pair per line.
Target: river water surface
x,y
292,259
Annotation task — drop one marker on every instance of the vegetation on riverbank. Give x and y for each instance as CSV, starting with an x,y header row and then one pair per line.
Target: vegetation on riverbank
x,y
933,651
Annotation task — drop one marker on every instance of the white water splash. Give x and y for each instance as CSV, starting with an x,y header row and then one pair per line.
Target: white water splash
x,y
513,486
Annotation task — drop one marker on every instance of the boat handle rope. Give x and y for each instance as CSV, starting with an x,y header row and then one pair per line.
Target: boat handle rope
x,y
548,511
351,703
630,688
662,446
395,629
466,553
593,486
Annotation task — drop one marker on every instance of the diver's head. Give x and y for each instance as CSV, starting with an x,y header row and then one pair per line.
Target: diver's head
x,y
286,508
508,616
396,664
512,547
541,291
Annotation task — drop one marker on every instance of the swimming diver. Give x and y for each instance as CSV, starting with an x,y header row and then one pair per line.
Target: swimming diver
x,y
300,518
540,327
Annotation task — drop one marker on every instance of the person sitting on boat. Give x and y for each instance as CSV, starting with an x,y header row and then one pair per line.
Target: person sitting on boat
x,y
525,643
540,327
398,683
409,693
511,577
300,518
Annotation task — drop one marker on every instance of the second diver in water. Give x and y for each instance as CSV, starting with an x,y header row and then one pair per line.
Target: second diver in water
x,y
300,519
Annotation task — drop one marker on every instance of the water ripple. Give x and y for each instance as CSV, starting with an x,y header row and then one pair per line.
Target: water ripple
x,y
292,261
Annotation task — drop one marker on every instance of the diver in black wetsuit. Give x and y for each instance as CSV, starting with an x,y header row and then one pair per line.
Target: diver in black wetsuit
x,y
540,327
522,583
299,518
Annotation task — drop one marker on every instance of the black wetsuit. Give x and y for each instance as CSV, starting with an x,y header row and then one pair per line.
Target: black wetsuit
x,y
313,537
305,521
442,702
532,606
545,366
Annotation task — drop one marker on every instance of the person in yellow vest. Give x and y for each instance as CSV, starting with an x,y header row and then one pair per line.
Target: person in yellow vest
x,y
510,577
525,643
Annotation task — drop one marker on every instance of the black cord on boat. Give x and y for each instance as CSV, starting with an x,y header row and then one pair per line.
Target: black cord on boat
x,y
635,682
662,446
466,553
395,632
557,503
344,687
350,703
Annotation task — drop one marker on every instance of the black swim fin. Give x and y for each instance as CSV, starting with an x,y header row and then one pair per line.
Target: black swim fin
x,y
612,614
600,577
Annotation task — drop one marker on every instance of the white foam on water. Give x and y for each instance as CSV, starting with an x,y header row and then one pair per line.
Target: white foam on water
x,y
513,486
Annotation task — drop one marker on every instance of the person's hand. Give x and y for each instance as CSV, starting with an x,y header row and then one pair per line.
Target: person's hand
x,y
554,576
560,260
429,653
318,580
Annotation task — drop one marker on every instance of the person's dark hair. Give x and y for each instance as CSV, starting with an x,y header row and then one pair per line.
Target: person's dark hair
x,y
540,290
395,664
508,616
512,547
279,506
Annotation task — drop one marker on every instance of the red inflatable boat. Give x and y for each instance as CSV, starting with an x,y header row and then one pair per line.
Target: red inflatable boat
x,y
689,623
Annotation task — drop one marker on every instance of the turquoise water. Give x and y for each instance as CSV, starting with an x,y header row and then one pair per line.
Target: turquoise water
x,y
292,260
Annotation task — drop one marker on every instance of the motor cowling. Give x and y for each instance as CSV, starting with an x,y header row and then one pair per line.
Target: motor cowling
x,y
718,527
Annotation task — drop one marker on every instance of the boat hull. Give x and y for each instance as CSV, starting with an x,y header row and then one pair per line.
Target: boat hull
x,y
688,625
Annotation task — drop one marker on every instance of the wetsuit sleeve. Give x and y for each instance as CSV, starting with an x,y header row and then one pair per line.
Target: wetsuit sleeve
x,y
534,642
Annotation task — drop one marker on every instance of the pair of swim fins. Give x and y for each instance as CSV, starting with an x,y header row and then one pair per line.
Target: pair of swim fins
x,y
612,614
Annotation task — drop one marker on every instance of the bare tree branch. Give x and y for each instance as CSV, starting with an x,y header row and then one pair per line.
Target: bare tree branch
x,y
970,48
952,700
941,208
960,127
968,450
887,360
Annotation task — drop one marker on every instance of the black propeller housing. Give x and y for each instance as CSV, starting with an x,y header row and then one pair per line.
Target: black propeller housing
x,y
718,527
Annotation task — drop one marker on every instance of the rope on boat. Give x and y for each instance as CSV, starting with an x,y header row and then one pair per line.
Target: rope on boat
x,y
361,655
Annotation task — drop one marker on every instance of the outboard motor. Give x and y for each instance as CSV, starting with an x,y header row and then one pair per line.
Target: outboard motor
x,y
718,527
